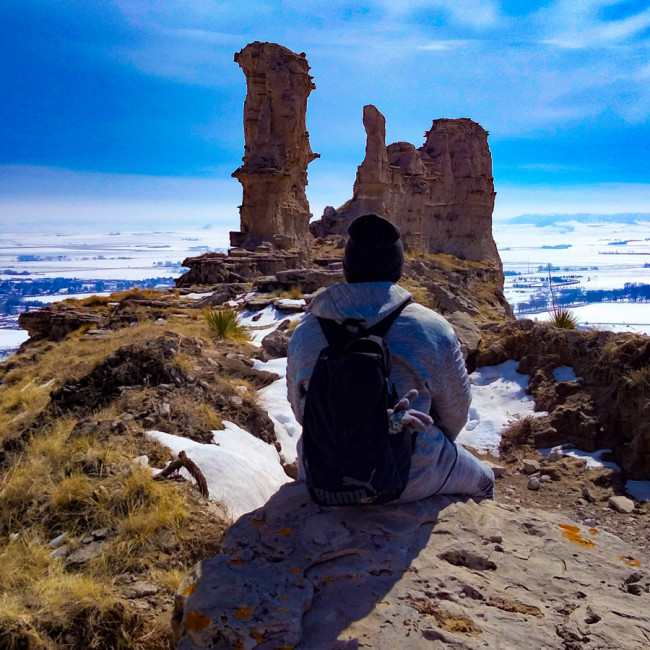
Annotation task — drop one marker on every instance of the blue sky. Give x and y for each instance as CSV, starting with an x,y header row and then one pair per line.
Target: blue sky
x,y
120,112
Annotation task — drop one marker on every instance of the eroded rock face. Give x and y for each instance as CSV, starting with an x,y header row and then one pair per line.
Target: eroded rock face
x,y
277,150
238,266
605,407
458,574
56,322
441,195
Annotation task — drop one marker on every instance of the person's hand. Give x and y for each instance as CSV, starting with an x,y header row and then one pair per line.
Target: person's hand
x,y
401,417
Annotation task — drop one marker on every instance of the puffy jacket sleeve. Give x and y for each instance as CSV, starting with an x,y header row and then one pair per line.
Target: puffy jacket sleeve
x,y
428,358
304,347
451,396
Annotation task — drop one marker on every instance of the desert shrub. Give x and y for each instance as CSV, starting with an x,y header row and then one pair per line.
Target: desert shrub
x,y
226,324
295,293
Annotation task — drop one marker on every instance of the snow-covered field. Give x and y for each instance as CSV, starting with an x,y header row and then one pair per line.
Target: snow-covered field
x,y
104,256
599,256
11,339
616,316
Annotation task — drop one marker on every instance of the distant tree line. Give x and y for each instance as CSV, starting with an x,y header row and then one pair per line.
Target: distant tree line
x,y
631,292
17,296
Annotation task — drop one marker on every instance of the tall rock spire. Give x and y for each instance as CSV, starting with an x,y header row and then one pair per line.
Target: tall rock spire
x,y
277,150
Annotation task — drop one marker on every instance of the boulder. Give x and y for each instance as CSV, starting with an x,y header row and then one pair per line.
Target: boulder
x,y
622,504
467,331
276,343
55,322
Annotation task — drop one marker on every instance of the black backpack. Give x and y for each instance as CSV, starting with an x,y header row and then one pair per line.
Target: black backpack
x,y
348,455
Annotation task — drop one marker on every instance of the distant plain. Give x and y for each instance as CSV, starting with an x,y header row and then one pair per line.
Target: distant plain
x,y
589,256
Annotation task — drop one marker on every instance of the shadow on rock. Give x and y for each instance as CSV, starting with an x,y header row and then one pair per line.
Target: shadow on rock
x,y
296,574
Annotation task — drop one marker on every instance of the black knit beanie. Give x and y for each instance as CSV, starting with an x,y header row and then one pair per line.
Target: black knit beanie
x,y
374,251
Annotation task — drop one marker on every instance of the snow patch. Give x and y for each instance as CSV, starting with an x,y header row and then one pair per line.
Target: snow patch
x,y
242,472
640,490
565,373
593,458
274,400
498,398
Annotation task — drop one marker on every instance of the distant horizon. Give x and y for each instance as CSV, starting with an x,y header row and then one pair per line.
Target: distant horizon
x,y
212,227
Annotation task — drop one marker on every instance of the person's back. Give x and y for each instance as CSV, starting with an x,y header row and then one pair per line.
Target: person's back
x,y
425,356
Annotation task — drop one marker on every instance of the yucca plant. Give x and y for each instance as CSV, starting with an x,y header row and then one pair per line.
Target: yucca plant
x,y
560,317
226,324
564,319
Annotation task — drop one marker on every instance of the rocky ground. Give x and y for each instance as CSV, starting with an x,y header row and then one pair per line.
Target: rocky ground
x,y
579,493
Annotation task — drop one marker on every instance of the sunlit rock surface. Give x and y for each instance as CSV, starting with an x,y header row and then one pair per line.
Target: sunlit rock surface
x,y
436,573
277,151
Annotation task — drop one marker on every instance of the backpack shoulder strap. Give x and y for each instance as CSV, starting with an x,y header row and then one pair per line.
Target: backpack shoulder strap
x,y
334,333
380,328
339,333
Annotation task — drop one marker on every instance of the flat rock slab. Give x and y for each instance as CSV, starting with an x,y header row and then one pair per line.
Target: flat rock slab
x,y
438,573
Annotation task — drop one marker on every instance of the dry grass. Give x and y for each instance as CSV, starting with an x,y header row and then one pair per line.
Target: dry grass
x,y
68,478
93,301
137,294
42,599
295,293
293,323
419,292
638,378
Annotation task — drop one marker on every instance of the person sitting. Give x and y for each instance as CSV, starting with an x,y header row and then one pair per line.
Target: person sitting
x,y
427,369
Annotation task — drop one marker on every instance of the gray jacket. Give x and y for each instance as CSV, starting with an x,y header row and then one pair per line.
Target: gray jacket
x,y
424,349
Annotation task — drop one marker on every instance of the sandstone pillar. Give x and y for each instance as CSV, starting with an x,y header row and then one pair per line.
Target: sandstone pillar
x,y
441,195
277,150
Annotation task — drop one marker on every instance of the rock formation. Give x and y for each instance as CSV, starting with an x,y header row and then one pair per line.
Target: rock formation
x,y
443,572
56,322
277,150
441,195
605,407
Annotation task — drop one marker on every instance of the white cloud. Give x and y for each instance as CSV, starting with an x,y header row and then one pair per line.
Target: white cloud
x,y
442,46
552,167
577,25
474,13
644,73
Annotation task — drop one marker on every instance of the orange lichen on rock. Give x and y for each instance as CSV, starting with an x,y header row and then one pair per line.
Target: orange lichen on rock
x,y
572,533
196,621
189,590
257,636
243,613
513,606
296,569
629,560
236,561
257,522
594,531
284,531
